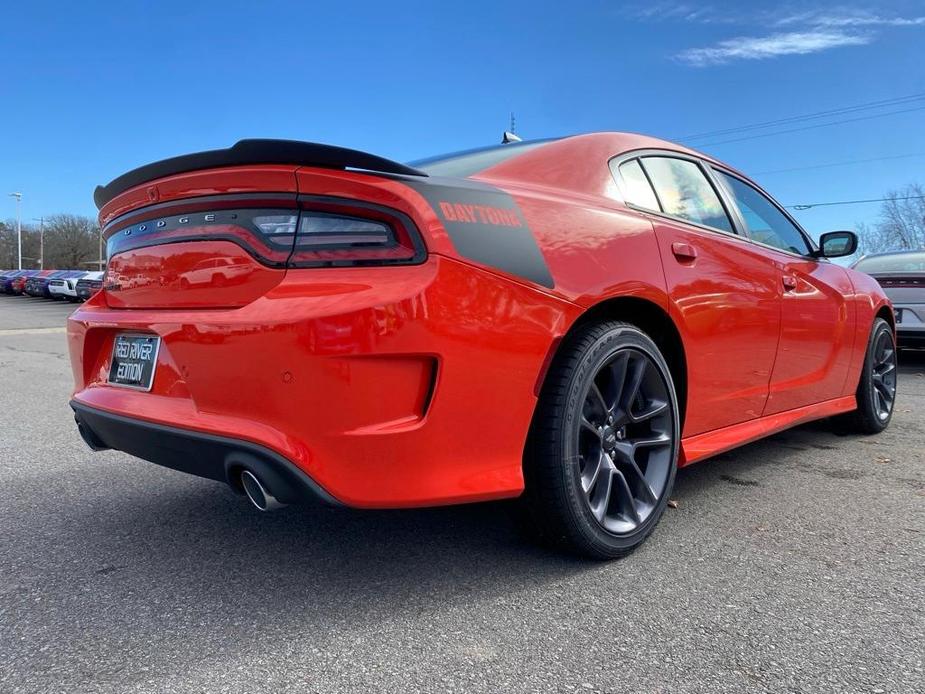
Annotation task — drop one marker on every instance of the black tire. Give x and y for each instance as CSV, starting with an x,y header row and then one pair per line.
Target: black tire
x,y
876,392
592,416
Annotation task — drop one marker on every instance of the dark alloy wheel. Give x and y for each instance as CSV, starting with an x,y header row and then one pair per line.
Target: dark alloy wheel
x,y
625,440
883,374
603,448
876,393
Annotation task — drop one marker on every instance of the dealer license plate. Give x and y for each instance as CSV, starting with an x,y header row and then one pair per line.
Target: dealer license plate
x,y
134,358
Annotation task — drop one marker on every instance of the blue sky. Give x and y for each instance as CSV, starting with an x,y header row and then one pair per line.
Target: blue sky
x,y
92,89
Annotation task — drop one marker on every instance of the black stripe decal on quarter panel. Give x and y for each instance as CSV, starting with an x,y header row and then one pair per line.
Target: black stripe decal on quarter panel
x,y
486,225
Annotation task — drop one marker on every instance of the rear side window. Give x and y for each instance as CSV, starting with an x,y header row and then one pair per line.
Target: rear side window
x,y
685,192
635,186
765,222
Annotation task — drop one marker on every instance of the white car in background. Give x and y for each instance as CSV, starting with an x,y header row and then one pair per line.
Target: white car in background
x,y
65,287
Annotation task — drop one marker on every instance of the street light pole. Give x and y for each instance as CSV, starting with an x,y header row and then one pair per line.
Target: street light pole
x,y
41,221
18,197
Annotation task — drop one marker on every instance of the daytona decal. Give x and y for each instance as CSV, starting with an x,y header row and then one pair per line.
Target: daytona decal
x,y
473,214
485,225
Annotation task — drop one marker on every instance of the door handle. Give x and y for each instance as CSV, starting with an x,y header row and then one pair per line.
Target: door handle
x,y
790,282
683,251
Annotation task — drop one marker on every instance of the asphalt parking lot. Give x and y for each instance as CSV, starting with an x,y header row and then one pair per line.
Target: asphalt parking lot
x,y
791,565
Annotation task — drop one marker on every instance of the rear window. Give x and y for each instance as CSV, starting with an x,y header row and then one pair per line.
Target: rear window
x,y
471,161
900,262
685,192
635,186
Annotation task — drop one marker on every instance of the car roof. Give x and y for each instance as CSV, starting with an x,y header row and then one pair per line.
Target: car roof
x,y
569,162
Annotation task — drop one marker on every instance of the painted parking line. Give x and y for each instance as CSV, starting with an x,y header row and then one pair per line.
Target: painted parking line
x,y
32,331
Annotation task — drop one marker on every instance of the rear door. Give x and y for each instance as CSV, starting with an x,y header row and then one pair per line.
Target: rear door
x,y
817,320
724,291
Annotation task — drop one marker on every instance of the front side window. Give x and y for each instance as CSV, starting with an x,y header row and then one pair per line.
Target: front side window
x,y
765,222
685,192
635,186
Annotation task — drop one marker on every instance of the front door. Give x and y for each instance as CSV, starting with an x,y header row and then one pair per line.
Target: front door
x,y
725,294
817,322
817,333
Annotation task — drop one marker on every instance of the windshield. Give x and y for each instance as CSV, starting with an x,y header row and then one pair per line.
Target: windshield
x,y
471,161
898,262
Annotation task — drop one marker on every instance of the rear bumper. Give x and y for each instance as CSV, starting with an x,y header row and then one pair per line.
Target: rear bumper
x,y
62,292
910,338
394,387
217,458
910,326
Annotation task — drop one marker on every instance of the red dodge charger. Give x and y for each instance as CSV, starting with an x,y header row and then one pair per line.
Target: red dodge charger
x,y
570,320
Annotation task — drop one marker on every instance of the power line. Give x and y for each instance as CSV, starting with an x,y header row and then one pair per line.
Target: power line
x,y
852,202
838,163
811,127
809,116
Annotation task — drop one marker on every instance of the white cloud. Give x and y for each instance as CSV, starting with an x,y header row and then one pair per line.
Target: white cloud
x,y
762,47
848,18
799,32
667,11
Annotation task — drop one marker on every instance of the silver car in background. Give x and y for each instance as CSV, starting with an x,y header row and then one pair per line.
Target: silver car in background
x,y
902,276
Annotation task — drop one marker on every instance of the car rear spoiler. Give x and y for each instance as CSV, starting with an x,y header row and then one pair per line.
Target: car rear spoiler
x,y
246,152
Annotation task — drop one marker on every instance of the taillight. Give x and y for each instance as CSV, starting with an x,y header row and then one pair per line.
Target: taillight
x,y
266,234
337,233
323,232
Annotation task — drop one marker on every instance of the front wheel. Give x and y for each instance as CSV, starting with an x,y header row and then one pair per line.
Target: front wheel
x,y
876,392
603,447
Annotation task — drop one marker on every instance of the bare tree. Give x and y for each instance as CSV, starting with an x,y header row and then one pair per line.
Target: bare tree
x,y
8,256
70,240
901,225
8,246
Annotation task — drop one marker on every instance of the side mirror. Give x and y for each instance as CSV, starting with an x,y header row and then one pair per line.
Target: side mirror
x,y
837,244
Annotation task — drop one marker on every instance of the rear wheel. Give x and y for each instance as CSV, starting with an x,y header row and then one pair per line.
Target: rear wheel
x,y
876,393
602,455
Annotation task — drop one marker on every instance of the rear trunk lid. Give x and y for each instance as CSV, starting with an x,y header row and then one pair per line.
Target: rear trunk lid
x,y
212,239
219,229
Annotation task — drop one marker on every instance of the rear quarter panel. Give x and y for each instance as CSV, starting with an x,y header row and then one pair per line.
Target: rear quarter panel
x,y
595,249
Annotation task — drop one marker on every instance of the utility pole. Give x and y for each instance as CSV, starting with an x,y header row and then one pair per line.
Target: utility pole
x,y
41,221
18,197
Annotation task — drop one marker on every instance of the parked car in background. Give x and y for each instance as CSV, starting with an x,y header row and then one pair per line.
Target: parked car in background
x,y
18,283
7,278
65,287
88,285
902,276
41,284
570,320
35,285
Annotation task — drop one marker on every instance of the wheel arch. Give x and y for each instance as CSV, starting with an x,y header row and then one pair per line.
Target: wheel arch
x,y
649,317
886,313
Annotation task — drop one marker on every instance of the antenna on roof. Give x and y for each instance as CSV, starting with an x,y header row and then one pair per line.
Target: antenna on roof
x,y
509,135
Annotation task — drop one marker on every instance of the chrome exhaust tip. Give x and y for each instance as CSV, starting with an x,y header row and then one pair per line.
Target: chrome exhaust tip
x,y
257,493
